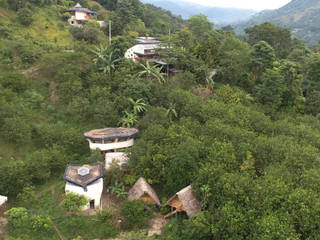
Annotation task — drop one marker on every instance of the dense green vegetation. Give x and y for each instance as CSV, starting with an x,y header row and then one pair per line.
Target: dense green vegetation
x,y
247,139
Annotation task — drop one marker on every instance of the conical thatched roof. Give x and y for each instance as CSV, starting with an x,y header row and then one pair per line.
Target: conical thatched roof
x,y
141,188
191,204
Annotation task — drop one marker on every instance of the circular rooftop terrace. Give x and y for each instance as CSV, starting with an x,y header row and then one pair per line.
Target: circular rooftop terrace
x,y
111,133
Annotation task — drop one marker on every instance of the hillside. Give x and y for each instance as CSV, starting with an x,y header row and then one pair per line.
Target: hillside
x,y
219,16
300,16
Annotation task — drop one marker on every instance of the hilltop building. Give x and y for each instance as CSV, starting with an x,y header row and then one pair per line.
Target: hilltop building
x,y
109,140
86,180
185,201
141,190
79,15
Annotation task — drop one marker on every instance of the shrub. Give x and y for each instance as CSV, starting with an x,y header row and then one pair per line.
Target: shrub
x,y
16,130
27,195
73,202
104,215
18,218
134,214
25,16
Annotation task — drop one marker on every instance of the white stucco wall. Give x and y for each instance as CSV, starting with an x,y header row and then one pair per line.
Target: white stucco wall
x,y
81,16
110,146
102,24
94,192
3,200
139,48
119,157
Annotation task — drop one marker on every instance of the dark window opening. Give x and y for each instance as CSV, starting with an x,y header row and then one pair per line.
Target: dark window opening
x,y
92,204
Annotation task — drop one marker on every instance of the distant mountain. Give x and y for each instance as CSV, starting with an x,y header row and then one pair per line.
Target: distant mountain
x,y
220,16
300,16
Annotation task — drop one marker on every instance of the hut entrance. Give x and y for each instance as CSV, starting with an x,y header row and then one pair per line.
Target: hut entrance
x,y
92,204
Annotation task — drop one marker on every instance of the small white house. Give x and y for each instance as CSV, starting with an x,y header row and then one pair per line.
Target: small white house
x,y
111,139
118,157
79,15
86,180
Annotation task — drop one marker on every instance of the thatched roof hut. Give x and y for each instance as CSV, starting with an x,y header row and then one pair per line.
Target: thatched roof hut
x,y
141,190
184,200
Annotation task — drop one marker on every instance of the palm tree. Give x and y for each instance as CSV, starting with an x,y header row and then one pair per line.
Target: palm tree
x,y
152,72
128,120
100,52
171,112
108,64
104,59
139,105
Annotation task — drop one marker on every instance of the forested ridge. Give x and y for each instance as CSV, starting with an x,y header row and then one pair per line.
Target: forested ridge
x,y
300,16
246,138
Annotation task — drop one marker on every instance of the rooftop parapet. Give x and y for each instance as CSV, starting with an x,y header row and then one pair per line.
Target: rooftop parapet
x,y
109,134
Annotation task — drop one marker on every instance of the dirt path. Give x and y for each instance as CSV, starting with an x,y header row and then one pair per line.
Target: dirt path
x,y
58,232
3,223
156,225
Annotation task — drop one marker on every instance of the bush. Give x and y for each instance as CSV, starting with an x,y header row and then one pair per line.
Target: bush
x,y
18,218
134,214
16,130
73,202
25,16
104,215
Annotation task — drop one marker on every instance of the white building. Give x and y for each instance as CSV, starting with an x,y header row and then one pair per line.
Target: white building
x,y
147,47
79,15
109,140
86,180
3,200
118,157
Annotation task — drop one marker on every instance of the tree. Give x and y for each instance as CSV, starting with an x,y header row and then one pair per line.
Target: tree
x,y
139,105
151,72
279,38
134,214
312,104
293,80
263,56
312,82
200,26
105,59
128,120
73,202
18,218
25,16
233,63
270,91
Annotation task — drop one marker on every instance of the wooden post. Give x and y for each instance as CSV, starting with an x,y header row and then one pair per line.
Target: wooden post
x,y
110,33
172,213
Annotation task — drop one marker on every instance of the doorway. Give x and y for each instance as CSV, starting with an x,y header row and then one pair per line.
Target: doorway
x,y
92,204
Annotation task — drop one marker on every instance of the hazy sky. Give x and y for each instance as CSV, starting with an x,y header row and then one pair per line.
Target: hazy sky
x,y
249,4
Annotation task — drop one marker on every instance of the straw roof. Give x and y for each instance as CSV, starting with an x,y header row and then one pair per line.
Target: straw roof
x,y
140,188
83,175
111,133
190,203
